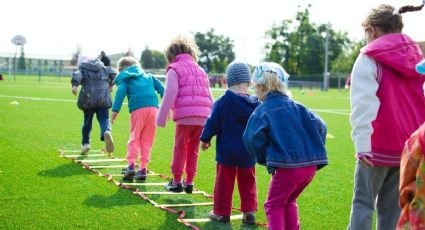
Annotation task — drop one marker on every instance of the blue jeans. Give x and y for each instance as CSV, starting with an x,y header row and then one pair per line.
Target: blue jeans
x,y
375,187
102,115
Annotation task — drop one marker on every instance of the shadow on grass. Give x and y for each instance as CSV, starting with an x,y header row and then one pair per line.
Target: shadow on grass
x,y
63,171
120,198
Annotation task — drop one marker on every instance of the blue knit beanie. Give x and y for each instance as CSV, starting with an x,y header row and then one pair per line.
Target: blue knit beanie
x,y
237,72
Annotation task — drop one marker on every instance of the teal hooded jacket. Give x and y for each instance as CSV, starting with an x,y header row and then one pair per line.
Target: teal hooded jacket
x,y
139,87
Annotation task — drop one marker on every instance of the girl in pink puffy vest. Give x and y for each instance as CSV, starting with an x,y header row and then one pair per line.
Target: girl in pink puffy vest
x,y
188,95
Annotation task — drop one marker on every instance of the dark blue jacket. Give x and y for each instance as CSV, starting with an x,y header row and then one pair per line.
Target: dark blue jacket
x,y
230,114
95,80
283,133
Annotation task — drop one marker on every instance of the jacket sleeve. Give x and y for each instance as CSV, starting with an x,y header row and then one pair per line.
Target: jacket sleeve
x,y
159,87
76,78
320,125
364,102
408,166
119,96
170,95
112,73
212,126
255,138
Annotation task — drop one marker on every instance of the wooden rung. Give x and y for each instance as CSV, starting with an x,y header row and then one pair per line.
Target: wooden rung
x,y
146,184
234,217
170,193
90,155
100,160
108,166
76,151
184,205
121,175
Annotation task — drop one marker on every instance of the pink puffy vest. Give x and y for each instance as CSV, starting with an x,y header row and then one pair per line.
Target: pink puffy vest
x,y
402,102
193,98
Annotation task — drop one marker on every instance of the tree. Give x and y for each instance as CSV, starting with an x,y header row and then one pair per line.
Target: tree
x,y
21,60
216,51
152,59
301,49
146,59
345,61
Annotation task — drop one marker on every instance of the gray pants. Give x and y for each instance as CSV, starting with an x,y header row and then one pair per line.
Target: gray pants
x,y
375,186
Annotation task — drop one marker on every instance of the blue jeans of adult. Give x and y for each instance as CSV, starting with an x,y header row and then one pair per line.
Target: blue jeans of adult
x,y
375,187
102,115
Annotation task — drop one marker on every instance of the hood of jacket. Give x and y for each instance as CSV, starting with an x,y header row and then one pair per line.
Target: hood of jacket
x,y
93,65
133,71
396,51
242,106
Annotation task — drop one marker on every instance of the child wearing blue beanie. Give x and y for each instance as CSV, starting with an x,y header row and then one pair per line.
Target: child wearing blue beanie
x,y
230,114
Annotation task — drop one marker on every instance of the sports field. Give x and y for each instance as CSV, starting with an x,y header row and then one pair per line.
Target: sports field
x,y
40,190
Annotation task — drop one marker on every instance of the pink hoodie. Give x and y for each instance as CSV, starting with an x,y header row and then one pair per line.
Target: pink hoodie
x,y
402,104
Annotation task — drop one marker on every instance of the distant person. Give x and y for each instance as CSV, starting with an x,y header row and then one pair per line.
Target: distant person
x,y
287,138
228,120
141,90
412,177
105,59
387,106
96,81
187,93
348,82
1,77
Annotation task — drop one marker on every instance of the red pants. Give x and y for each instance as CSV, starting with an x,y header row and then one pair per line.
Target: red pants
x,y
224,185
185,154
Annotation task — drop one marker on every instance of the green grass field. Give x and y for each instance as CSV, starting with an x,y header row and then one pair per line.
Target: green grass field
x,y
40,190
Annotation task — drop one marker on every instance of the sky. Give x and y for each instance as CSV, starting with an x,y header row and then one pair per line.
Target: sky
x,y
54,28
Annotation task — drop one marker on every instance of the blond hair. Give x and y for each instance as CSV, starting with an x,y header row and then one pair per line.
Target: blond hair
x,y
272,82
181,45
125,62
387,18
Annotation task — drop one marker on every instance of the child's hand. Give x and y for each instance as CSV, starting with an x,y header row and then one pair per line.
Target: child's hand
x,y
74,90
365,159
113,116
205,146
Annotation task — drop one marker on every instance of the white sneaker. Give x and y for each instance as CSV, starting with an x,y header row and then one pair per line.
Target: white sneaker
x,y
109,141
85,149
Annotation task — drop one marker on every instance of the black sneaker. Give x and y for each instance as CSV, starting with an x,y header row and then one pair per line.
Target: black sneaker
x,y
141,174
188,188
218,218
129,173
174,187
248,218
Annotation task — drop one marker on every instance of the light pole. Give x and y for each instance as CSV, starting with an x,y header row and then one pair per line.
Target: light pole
x,y
17,40
325,71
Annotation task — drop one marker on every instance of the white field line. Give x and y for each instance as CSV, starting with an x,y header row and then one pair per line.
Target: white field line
x,y
331,111
234,217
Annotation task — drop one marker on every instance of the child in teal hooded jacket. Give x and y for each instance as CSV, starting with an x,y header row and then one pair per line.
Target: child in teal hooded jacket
x,y
141,90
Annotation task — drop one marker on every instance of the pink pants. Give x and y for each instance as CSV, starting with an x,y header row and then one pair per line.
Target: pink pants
x,y
185,154
285,187
142,134
223,189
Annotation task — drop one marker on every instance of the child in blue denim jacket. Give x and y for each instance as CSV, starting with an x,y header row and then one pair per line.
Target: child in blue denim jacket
x,y
288,139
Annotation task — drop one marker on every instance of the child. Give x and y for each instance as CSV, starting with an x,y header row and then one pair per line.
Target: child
x,y
288,139
387,106
228,120
139,87
96,82
187,93
412,177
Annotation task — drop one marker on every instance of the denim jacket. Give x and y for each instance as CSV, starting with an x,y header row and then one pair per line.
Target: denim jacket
x,y
283,133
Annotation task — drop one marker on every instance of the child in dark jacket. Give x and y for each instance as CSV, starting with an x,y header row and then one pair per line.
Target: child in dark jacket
x,y
96,82
289,139
228,120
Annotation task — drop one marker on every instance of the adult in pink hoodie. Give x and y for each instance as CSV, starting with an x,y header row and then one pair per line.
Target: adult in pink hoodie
x,y
188,95
387,106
